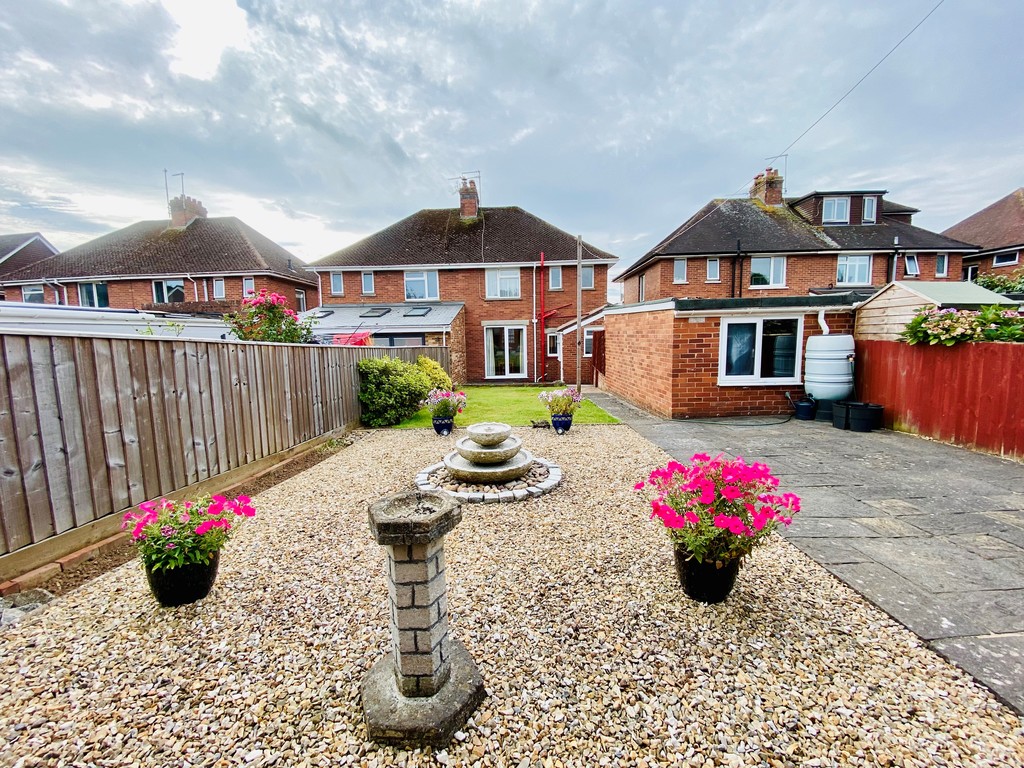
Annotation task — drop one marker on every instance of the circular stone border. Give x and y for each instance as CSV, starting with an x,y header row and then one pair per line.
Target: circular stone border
x,y
553,480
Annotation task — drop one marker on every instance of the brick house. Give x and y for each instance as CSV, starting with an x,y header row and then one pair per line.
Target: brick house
x,y
189,264
19,251
514,274
767,246
999,231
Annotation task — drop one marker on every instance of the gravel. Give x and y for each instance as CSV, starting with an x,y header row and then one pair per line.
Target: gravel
x,y
568,603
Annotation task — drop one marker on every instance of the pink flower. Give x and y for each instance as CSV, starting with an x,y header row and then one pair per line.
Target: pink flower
x,y
731,492
204,527
638,486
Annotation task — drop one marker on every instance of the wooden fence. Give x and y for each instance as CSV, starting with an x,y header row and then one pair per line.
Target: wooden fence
x,y
968,394
90,427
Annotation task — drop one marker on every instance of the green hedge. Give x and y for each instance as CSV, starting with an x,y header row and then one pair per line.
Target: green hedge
x,y
390,390
438,378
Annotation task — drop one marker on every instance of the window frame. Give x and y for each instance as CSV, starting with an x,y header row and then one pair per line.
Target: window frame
x,y
500,275
558,344
218,295
552,271
641,287
675,272
943,259
246,292
587,269
718,270
163,289
341,284
36,289
490,363
860,257
373,284
1014,257
864,219
423,275
908,259
835,200
300,300
588,341
95,294
771,274
756,379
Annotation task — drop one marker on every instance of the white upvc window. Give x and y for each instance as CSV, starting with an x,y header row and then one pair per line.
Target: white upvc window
x,y
218,288
554,278
759,350
337,284
421,286
554,343
970,273
248,286
503,283
913,269
368,283
869,214
641,288
33,294
942,265
714,273
835,210
768,272
93,295
588,341
679,270
1005,259
587,277
300,300
168,291
854,270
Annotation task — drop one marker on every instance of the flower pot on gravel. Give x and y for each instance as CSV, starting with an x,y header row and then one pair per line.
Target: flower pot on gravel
x,y
561,422
561,405
185,584
443,427
707,582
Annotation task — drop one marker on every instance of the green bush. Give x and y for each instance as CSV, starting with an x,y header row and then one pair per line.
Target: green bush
x,y
952,326
1012,283
390,390
438,378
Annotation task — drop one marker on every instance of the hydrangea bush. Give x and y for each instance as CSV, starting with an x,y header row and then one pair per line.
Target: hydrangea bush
x,y
952,326
562,401
267,317
718,509
444,403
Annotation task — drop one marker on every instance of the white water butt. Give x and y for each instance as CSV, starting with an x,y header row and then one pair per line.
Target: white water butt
x,y
828,366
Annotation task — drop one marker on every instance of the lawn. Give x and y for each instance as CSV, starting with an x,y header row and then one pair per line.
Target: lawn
x,y
517,406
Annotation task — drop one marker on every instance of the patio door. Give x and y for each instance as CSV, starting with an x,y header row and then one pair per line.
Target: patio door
x,y
505,348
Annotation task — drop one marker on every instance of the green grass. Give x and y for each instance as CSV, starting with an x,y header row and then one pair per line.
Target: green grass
x,y
517,406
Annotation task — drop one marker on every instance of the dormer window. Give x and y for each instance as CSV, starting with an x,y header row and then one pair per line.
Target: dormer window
x,y
870,205
835,210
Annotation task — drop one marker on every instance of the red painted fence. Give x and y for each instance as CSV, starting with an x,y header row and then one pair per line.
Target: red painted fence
x,y
968,394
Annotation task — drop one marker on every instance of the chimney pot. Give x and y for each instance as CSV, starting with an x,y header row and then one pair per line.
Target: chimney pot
x,y
767,188
183,209
469,200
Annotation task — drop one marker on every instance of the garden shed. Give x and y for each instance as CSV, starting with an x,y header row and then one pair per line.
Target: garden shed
x,y
886,314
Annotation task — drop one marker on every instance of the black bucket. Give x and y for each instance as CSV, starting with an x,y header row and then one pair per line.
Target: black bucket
x,y
841,411
865,417
805,409
824,410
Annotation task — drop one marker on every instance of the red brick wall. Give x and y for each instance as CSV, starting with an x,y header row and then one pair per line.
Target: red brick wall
x,y
669,366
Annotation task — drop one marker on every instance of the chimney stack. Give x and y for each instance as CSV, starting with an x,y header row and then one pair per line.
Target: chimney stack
x,y
184,209
767,187
469,200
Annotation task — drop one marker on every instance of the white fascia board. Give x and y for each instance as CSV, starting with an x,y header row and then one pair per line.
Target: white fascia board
x,y
762,311
449,267
165,276
631,309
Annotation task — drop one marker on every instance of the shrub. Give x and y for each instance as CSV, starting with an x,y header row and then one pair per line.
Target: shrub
x,y
266,317
951,326
438,378
390,390
1012,283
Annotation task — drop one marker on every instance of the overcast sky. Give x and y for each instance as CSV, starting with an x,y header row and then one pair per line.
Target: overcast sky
x,y
321,121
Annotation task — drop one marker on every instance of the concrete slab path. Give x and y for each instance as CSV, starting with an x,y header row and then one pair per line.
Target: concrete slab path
x,y
930,533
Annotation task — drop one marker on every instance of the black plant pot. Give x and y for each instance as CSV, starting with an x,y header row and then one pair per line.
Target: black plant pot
x,y
705,582
561,422
443,426
185,584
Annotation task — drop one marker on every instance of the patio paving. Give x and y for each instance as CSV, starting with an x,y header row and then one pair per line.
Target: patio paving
x,y
931,533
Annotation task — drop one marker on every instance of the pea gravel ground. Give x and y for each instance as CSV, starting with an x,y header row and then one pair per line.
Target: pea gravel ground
x,y
568,603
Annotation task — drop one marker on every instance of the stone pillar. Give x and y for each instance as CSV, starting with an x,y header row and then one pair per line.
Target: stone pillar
x,y
428,686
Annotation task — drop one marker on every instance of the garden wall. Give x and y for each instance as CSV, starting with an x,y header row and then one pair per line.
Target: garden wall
x,y
90,427
968,394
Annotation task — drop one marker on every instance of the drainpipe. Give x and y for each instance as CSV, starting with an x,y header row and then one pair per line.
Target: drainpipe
x,y
822,323
534,321
53,283
195,286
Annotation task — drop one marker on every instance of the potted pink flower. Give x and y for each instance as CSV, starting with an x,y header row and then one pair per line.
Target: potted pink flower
x,y
444,405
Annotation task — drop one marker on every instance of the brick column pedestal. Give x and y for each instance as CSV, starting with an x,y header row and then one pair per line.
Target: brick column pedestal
x,y
429,686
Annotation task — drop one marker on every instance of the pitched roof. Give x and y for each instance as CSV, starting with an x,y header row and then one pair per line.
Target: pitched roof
x,y
204,247
962,295
19,251
440,237
716,228
998,226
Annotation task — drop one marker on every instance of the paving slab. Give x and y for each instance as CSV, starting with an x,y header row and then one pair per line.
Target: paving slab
x,y
996,661
821,527
829,551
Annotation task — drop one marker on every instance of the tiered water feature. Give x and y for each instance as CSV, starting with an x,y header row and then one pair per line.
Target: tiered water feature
x,y
490,464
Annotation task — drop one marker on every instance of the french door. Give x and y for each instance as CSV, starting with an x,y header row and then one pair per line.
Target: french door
x,y
505,347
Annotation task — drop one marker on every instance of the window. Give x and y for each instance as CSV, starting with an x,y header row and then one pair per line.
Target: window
x,y
218,288
400,340
248,286
555,278
168,291
33,294
367,283
1004,259
854,270
970,272
679,270
913,269
300,300
588,342
587,278
641,288
337,284
503,283
420,286
835,210
713,271
768,271
376,312
93,295
868,216
759,351
942,265
416,312
554,344
505,351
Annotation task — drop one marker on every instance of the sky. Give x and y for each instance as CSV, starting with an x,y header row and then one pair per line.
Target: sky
x,y
319,122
